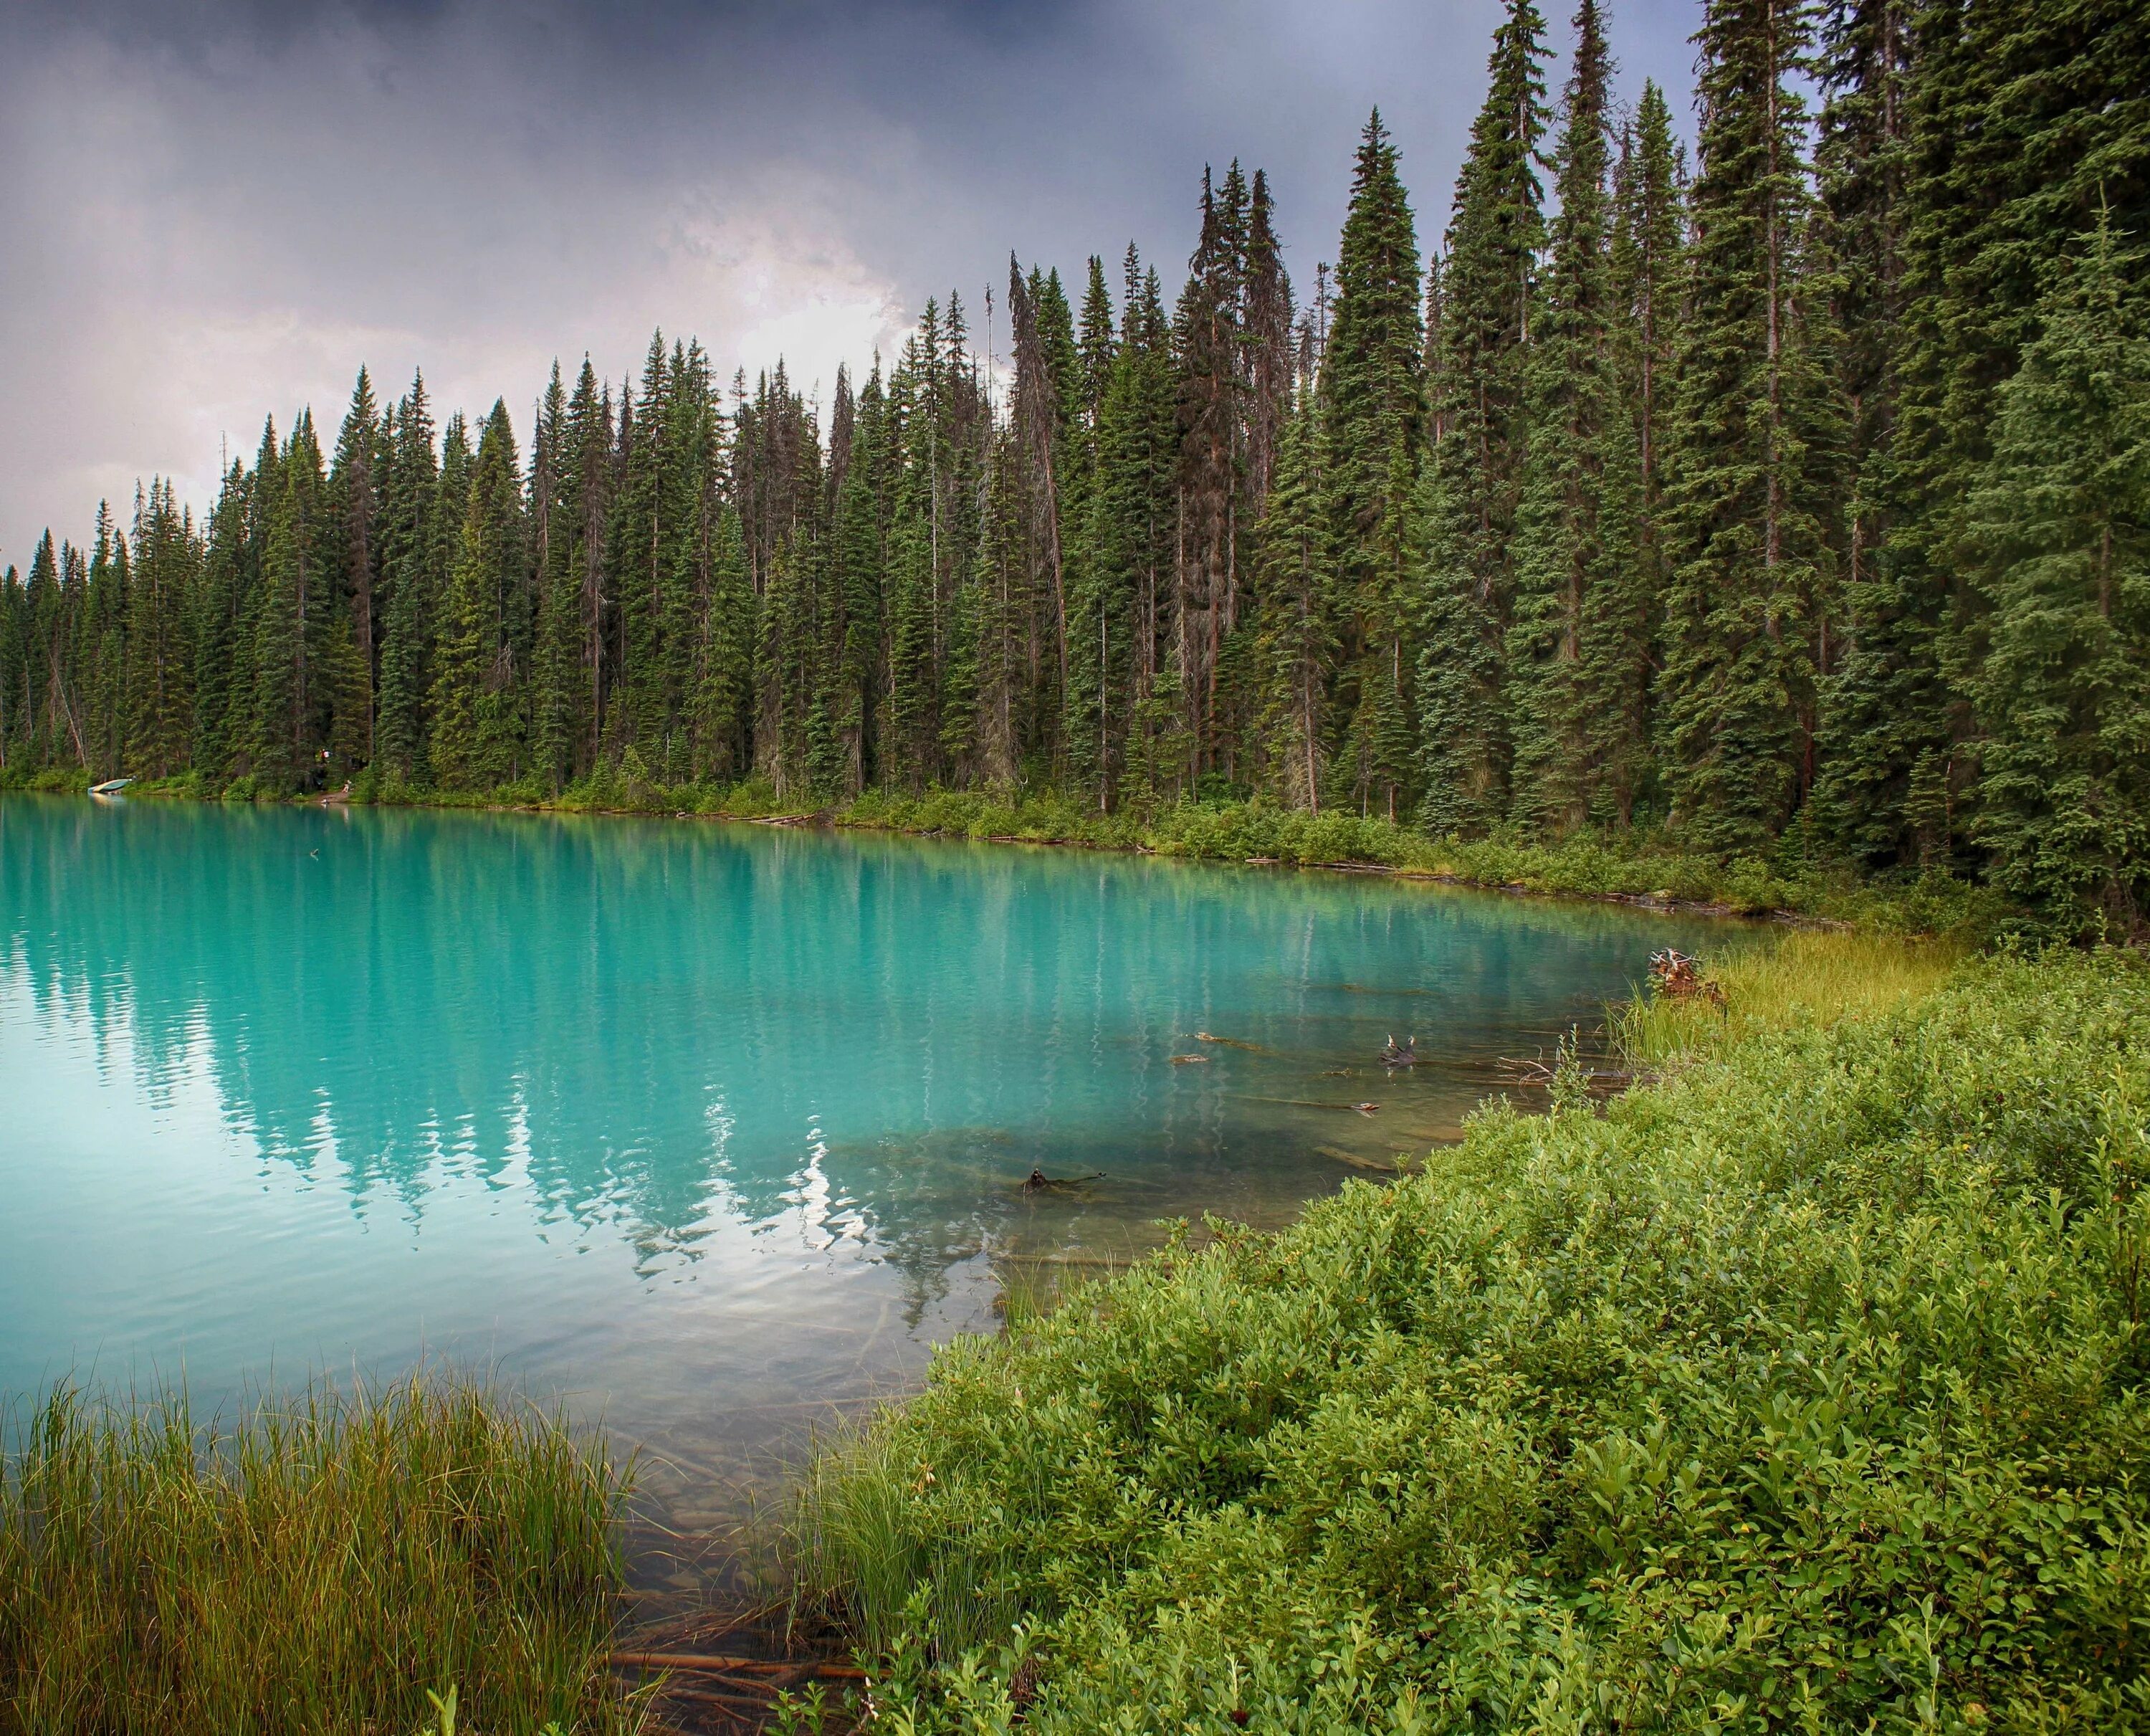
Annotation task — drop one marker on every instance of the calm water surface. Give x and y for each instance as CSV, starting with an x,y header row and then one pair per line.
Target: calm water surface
x,y
712,1129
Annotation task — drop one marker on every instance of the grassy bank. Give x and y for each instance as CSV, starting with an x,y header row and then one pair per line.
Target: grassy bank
x,y
1648,867
316,1567
1802,1391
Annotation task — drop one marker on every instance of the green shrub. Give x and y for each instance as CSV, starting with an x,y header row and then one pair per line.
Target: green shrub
x,y
47,781
1804,1391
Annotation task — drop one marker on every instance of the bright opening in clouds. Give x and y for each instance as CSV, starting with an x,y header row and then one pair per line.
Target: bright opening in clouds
x,y
214,211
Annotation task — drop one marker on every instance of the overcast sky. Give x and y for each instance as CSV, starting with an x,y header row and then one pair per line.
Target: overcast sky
x,y
214,209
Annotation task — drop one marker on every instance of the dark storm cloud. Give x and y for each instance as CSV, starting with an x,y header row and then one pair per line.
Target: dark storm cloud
x,y
215,209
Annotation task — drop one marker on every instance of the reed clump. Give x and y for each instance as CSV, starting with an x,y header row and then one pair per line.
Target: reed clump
x,y
1803,1390
317,1565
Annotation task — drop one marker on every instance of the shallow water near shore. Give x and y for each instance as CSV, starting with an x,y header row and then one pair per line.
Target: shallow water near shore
x,y
710,1130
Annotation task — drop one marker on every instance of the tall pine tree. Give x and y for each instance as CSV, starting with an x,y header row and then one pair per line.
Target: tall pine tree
x,y
2061,522
1747,489
1488,293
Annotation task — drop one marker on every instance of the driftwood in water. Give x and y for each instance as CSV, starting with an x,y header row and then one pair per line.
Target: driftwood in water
x,y
1038,1181
1308,1103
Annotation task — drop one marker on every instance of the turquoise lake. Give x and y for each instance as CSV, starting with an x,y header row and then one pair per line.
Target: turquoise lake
x,y
712,1129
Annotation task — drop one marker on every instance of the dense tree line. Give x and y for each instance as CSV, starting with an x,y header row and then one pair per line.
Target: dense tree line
x,y
1799,501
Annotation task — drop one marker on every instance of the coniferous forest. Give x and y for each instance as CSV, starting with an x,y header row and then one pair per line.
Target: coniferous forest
x,y
1794,495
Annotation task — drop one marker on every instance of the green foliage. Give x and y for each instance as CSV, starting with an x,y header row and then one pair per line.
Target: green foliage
x,y
411,497
478,736
1488,300
320,1566
1802,1391
1370,393
1750,568
2063,519
1676,505
1569,642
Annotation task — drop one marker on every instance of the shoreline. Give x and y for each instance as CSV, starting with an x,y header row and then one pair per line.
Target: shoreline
x,y
1745,889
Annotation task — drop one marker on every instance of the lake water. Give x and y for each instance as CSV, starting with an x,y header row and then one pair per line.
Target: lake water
x,y
714,1129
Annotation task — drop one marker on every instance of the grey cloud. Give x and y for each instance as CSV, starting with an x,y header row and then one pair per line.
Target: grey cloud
x,y
219,209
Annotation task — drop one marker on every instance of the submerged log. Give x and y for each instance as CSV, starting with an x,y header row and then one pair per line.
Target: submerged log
x,y
1375,1164
1038,1181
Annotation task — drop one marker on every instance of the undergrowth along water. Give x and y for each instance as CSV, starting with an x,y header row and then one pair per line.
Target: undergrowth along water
x,y
1648,867
325,1563
1801,1391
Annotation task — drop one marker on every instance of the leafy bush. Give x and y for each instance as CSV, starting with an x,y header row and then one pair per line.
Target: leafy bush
x,y
1803,1391
49,780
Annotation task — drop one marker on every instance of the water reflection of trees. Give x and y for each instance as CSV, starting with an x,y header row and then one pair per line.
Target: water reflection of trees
x,y
656,1026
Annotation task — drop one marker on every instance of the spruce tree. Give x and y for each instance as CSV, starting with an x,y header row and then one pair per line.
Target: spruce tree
x,y
476,726
723,678
2061,522
2025,121
1207,342
1127,603
1883,711
295,592
1297,639
1097,341
857,560
1747,489
641,569
1372,402
1648,268
693,455
1577,513
14,667
913,678
218,617
1052,528
555,684
97,647
410,505
1087,642
161,665
54,728
1266,329
1370,383
589,446
1488,291
965,432
355,482
1036,479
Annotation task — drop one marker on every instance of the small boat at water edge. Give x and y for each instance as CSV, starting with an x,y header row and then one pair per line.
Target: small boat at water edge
x,y
110,786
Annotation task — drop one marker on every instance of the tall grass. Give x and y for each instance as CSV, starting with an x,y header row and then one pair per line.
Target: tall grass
x,y
855,1553
1807,1390
1804,978
316,1565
